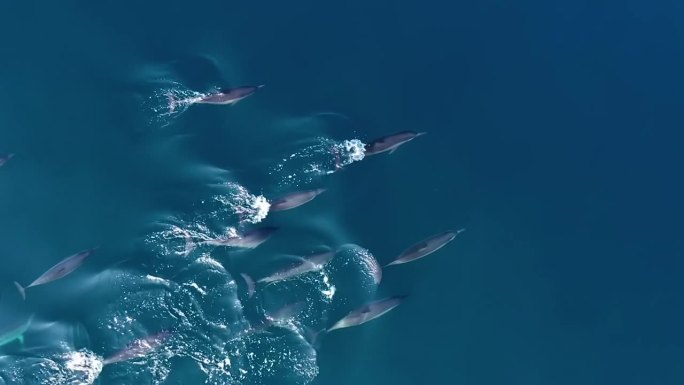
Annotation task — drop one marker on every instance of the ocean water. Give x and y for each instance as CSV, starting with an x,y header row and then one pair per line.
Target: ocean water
x,y
553,137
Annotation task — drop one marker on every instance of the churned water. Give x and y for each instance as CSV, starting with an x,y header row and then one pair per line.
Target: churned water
x,y
553,136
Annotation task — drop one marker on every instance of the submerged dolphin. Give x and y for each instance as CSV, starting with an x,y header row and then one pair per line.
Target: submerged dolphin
x,y
428,246
247,240
138,348
295,199
304,265
5,158
229,95
60,270
14,331
368,312
390,142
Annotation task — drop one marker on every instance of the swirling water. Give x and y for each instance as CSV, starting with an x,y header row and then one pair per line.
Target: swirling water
x,y
553,135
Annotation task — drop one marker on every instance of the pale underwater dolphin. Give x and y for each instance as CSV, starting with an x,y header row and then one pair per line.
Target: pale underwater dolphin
x,y
426,247
229,95
247,240
60,270
304,265
138,348
295,199
5,158
14,331
368,312
390,142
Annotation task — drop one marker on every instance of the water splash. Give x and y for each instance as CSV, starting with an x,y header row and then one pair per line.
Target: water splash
x,y
170,101
325,157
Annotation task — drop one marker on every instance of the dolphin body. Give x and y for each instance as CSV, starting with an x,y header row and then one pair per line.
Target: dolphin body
x,y
138,348
295,199
229,95
426,247
60,270
247,240
14,331
390,142
304,265
368,312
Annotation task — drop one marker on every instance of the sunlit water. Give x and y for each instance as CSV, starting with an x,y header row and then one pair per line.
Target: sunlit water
x,y
174,280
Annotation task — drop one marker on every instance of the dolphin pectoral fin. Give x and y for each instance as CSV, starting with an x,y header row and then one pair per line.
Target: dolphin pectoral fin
x,y
392,150
21,340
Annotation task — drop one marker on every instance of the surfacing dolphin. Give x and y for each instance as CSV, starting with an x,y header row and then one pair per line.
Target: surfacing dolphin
x,y
60,270
390,142
247,240
138,348
5,158
368,312
426,247
229,95
295,199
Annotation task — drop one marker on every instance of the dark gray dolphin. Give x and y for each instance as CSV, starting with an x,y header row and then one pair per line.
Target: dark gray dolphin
x,y
138,348
5,158
247,240
428,246
295,199
368,312
304,265
60,270
390,142
229,95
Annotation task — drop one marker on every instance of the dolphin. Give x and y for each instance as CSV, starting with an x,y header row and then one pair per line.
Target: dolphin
x,y
295,199
5,158
368,312
247,240
138,348
390,142
14,331
229,95
304,265
60,270
428,246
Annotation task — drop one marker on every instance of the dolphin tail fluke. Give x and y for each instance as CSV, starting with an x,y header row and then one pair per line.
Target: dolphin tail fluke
x,y
173,102
313,337
249,282
21,290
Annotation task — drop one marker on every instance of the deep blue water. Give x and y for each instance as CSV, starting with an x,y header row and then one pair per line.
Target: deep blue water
x,y
554,138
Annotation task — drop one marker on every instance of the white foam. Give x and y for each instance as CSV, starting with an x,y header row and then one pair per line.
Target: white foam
x,y
356,149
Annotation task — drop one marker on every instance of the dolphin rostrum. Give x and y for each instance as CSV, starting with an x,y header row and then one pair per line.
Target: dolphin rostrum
x,y
428,246
295,199
247,240
229,95
5,158
60,270
390,142
138,348
304,265
368,312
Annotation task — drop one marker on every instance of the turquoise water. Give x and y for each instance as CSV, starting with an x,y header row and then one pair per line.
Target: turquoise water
x,y
552,137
